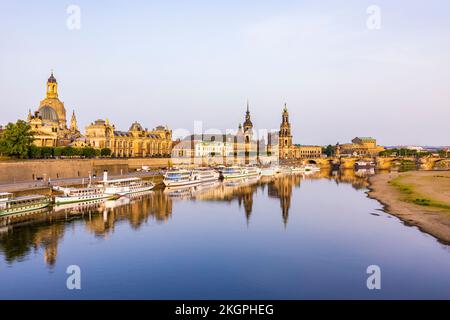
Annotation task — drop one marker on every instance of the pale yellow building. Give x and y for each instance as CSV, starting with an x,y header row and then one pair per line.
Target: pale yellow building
x,y
136,142
360,146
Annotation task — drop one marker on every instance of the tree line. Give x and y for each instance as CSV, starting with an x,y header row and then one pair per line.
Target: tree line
x,y
17,141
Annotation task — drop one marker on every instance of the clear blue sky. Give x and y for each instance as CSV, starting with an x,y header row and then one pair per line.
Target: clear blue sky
x,y
174,62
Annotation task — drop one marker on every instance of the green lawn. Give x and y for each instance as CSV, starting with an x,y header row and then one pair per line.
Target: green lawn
x,y
412,196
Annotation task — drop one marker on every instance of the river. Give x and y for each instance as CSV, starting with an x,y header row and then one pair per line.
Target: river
x,y
289,237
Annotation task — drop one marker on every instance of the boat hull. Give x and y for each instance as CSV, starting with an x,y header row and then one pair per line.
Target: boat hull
x,y
240,175
65,200
7,212
121,191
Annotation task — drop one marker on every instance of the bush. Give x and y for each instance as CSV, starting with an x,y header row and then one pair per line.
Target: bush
x,y
34,152
47,152
89,152
58,151
69,152
105,152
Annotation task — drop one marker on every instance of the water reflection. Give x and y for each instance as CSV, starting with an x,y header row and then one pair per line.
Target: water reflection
x,y
22,235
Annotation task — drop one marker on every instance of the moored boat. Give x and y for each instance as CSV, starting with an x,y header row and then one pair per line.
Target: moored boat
x,y
297,169
240,172
90,193
268,172
284,170
311,167
206,174
180,177
23,204
125,186
364,164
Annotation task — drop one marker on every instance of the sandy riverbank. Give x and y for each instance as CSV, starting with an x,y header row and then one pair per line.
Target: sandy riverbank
x,y
419,198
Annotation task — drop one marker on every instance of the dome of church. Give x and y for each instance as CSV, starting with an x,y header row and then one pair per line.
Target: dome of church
x,y
136,127
48,113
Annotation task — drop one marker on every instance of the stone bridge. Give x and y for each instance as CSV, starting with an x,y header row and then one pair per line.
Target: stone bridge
x,y
381,162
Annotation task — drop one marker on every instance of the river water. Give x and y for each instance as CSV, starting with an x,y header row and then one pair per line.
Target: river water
x,y
289,237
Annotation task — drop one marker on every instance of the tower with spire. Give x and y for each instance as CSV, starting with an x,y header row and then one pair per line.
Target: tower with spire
x,y
73,123
248,125
285,136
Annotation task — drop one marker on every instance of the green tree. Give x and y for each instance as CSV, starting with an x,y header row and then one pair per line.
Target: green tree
x,y
78,152
34,152
16,139
68,152
58,151
89,152
105,152
328,150
47,152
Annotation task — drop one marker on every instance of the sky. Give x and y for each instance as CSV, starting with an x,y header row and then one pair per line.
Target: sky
x,y
177,62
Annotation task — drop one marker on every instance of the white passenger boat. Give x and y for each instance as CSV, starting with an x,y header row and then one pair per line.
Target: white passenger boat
x,y
125,186
268,172
298,169
181,177
206,174
240,172
4,197
10,205
311,168
285,170
90,193
364,164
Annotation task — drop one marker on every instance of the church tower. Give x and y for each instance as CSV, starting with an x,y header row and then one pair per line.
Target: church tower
x,y
285,136
51,108
52,87
248,126
73,123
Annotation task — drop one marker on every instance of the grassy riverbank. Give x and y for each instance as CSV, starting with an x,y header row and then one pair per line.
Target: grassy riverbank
x,y
419,198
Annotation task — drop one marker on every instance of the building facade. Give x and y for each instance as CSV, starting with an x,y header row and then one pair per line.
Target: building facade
x,y
136,142
361,146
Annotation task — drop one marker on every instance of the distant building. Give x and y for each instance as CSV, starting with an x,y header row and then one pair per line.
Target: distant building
x,y
415,148
307,152
361,146
222,147
205,146
288,150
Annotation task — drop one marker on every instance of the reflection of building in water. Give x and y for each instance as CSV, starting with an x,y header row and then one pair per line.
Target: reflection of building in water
x,y
246,198
17,242
241,190
48,239
349,176
45,230
281,188
136,210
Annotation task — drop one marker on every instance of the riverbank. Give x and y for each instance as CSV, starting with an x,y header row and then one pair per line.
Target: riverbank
x,y
44,187
418,198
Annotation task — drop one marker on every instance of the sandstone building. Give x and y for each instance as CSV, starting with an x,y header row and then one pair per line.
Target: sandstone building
x,y
288,150
48,123
136,142
360,146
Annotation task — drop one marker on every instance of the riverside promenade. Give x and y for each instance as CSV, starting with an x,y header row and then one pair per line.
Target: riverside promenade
x,y
34,185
